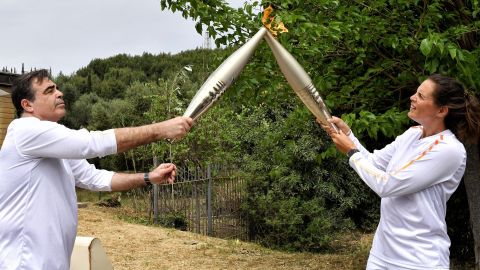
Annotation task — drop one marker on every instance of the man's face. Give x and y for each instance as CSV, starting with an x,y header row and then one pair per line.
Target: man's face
x,y
48,104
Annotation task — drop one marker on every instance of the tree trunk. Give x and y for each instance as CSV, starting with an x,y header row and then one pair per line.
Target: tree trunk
x,y
472,186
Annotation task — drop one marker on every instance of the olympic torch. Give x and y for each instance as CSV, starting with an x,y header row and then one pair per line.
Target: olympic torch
x,y
299,81
222,77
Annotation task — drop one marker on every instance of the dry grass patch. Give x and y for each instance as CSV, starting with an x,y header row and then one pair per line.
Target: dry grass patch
x,y
134,246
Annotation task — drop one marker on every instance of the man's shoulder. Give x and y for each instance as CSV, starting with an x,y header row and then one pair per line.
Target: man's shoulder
x,y
28,128
32,123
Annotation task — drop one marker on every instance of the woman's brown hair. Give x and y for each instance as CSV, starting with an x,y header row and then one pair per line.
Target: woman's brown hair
x,y
463,117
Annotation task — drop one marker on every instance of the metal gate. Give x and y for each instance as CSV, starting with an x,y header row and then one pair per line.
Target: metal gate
x,y
202,200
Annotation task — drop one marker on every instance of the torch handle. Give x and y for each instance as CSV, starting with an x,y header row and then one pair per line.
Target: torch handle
x,y
335,127
314,102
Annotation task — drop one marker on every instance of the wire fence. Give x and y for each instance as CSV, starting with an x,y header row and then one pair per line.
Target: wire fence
x,y
205,200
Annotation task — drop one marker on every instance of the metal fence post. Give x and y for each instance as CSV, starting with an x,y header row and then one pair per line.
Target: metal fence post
x,y
155,195
209,202
197,208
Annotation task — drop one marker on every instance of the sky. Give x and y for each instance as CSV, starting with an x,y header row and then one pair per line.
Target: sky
x,y
66,35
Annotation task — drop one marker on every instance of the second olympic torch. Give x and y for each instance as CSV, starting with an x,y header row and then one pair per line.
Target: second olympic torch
x,y
300,81
222,77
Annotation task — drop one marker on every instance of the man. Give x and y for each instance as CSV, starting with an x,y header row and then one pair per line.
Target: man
x,y
42,161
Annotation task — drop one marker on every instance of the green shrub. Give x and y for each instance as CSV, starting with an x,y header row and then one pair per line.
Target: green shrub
x,y
299,197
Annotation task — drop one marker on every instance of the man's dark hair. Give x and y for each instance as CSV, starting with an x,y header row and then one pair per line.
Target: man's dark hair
x,y
22,88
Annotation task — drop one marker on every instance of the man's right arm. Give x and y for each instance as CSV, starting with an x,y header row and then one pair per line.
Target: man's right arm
x,y
131,137
47,139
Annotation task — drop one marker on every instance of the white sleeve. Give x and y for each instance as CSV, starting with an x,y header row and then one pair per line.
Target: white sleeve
x,y
51,140
435,165
88,177
379,158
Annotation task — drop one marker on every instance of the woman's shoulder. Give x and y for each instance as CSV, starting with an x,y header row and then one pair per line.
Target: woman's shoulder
x,y
413,131
416,129
450,145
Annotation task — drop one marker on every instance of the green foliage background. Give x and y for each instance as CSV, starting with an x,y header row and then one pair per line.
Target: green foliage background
x,y
366,58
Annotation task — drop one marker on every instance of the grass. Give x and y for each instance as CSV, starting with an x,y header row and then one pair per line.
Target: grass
x,y
350,251
135,246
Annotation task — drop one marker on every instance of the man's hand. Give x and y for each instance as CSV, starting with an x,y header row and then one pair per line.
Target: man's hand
x,y
165,173
176,128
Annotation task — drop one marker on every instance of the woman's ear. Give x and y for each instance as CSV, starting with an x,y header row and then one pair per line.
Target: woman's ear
x,y
443,111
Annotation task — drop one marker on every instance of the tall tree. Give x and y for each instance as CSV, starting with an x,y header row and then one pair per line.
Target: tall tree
x,y
366,58
472,185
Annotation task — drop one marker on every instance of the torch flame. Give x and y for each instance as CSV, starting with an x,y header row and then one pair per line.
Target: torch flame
x,y
266,16
271,24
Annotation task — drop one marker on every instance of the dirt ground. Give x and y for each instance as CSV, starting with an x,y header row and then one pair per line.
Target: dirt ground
x,y
133,246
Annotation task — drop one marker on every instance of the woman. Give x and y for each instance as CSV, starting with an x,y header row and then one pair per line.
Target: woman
x,y
416,174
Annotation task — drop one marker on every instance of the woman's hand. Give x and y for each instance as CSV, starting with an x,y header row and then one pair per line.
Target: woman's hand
x,y
341,125
341,140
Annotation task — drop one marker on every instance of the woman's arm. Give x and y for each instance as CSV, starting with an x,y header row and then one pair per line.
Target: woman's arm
x,y
435,165
346,141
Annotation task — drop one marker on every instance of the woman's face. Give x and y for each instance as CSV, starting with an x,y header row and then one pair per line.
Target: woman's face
x,y
423,109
